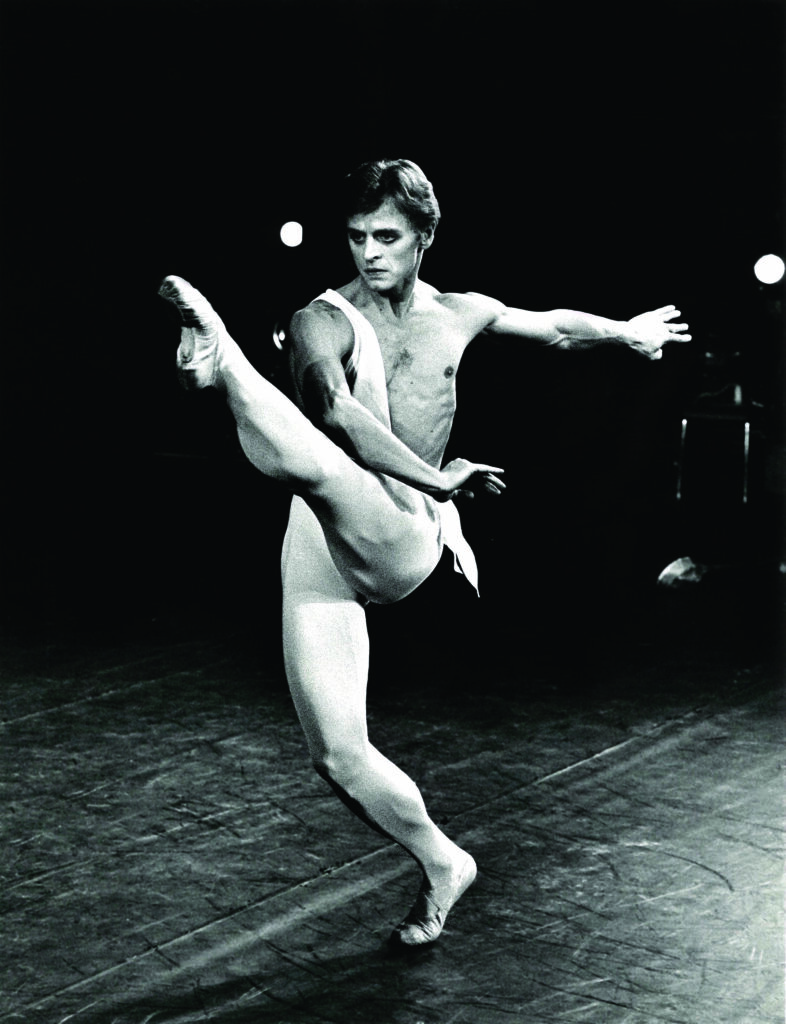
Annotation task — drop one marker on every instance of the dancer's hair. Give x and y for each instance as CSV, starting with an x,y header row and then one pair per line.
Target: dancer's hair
x,y
402,181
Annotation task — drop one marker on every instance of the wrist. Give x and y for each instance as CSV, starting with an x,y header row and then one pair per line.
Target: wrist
x,y
435,482
629,328
631,334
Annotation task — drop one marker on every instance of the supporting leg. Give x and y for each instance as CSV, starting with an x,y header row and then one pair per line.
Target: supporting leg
x,y
326,658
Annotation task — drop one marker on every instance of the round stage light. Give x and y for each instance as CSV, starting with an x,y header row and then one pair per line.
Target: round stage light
x,y
292,234
769,269
279,335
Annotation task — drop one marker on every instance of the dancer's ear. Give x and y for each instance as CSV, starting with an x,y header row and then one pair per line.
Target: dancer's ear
x,y
426,238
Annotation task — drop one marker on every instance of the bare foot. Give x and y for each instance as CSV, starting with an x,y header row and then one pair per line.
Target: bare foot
x,y
425,921
201,333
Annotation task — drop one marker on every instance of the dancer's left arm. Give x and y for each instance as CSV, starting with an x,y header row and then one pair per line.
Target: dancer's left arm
x,y
646,333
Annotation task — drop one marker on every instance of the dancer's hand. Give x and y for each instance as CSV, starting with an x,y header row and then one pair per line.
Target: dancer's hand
x,y
652,330
459,472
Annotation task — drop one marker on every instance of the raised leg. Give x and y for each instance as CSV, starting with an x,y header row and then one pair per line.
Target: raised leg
x,y
384,537
326,658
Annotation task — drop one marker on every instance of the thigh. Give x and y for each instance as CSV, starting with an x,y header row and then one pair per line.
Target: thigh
x,y
325,639
384,537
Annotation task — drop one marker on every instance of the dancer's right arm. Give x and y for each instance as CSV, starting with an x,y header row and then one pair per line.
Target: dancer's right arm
x,y
319,340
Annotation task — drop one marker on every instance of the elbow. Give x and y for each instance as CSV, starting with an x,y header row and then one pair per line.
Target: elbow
x,y
563,331
329,405
330,414
321,401
334,415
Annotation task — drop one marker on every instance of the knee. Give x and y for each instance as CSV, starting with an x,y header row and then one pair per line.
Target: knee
x,y
389,573
340,763
389,588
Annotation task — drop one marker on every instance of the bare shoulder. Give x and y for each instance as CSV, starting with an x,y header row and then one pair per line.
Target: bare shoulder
x,y
321,323
319,315
476,310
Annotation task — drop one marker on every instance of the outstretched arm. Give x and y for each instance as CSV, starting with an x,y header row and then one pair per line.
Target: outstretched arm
x,y
569,329
319,339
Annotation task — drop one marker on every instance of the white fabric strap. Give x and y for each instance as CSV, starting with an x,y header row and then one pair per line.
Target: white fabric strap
x,y
365,363
464,560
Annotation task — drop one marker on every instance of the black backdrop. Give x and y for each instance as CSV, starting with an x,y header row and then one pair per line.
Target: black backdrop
x,y
605,157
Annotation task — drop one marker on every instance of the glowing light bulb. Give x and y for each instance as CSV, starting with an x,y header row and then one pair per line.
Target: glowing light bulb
x,y
769,269
292,233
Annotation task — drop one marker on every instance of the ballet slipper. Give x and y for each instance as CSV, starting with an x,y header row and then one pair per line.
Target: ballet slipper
x,y
200,333
425,921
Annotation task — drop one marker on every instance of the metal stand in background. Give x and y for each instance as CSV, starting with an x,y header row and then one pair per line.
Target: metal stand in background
x,y
740,418
716,490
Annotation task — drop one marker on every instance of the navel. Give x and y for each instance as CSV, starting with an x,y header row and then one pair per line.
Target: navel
x,y
449,371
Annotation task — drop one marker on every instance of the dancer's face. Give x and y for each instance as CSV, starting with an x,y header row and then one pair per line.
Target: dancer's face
x,y
386,248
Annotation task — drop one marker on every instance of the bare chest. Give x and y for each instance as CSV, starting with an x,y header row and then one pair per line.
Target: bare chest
x,y
422,356
421,359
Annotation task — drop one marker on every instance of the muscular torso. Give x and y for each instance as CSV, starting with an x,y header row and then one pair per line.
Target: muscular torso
x,y
421,353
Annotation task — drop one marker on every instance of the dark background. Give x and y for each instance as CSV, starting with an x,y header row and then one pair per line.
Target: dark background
x,y
612,158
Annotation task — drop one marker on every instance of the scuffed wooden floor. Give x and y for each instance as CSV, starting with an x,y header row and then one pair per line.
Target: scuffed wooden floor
x,y
169,856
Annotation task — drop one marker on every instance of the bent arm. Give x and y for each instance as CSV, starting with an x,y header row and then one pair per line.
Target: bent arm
x,y
318,340
570,329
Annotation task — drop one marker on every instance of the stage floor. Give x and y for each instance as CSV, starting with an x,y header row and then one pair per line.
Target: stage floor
x,y
170,856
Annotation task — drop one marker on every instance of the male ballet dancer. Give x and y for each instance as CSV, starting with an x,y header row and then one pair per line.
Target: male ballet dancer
x,y
373,368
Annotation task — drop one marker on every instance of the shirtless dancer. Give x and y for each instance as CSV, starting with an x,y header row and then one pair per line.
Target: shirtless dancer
x,y
374,369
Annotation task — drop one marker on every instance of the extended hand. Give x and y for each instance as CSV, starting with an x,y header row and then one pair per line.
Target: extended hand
x,y
459,472
652,330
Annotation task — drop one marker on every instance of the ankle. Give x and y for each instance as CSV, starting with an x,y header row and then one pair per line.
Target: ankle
x,y
448,860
